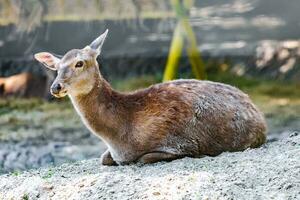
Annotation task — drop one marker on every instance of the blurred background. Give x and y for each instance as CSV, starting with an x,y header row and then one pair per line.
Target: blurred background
x,y
251,44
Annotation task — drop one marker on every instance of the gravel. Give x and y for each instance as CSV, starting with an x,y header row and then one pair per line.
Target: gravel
x,y
269,172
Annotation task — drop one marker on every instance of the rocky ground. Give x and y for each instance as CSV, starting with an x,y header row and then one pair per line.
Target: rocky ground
x,y
269,172
35,133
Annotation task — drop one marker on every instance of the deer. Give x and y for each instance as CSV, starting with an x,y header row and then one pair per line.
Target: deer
x,y
164,122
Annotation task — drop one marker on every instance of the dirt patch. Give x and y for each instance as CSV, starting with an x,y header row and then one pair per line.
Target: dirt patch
x,y
271,171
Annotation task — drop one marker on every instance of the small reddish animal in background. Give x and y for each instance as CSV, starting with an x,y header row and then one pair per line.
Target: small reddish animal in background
x,y
23,85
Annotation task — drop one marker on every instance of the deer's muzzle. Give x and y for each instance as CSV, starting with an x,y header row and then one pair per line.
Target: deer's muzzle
x,y
58,90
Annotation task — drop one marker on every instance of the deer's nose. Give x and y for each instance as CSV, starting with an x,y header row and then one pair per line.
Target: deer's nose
x,y
56,88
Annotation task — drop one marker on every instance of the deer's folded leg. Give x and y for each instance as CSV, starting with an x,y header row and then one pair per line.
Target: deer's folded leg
x,y
106,159
157,157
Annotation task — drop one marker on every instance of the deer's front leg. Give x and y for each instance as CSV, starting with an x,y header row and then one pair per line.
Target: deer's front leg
x,y
158,157
106,159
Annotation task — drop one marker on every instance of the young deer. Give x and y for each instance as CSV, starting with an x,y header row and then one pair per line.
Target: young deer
x,y
161,123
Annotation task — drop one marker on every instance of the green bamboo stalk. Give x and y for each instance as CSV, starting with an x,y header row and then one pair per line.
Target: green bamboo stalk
x,y
194,55
174,54
186,31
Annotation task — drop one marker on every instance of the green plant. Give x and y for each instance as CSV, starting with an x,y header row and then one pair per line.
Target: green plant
x,y
25,197
16,173
183,31
49,174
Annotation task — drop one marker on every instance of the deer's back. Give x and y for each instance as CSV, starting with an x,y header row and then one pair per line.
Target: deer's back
x,y
194,118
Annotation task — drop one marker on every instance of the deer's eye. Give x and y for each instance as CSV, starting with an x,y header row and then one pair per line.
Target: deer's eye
x,y
79,64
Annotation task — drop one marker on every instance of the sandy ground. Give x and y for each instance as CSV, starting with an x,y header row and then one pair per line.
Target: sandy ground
x,y
269,172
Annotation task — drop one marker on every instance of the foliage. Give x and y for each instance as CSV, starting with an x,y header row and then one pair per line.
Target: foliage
x,y
16,173
49,174
25,197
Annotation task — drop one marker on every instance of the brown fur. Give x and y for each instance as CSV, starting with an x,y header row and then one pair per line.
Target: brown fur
x,y
165,115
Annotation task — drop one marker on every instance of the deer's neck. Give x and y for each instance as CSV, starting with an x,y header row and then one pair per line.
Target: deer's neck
x,y
101,110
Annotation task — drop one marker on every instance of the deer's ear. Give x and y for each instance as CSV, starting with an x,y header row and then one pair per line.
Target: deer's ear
x,y
47,59
97,44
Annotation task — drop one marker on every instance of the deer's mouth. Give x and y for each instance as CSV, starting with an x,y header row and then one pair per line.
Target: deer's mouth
x,y
61,94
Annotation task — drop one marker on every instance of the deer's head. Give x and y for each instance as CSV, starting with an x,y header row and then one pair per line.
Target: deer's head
x,y
75,70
